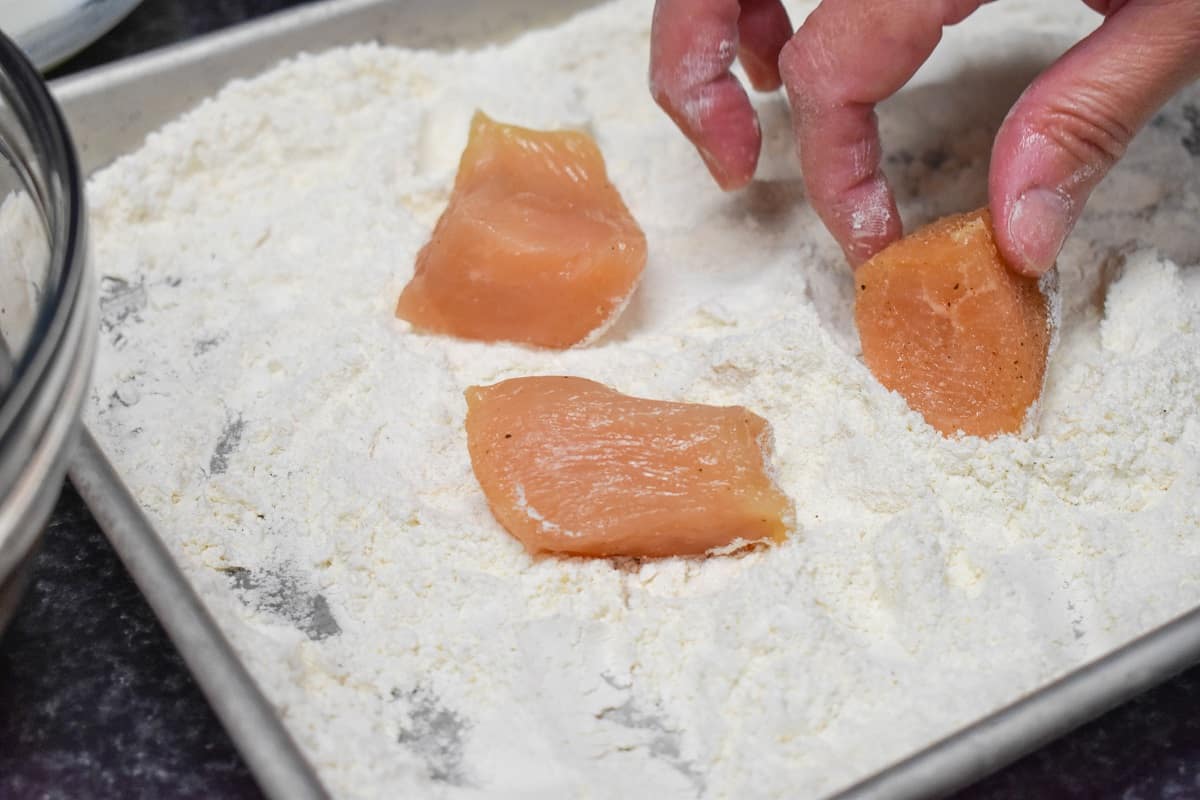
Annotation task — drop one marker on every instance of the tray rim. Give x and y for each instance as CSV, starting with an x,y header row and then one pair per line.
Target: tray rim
x,y
962,757
274,758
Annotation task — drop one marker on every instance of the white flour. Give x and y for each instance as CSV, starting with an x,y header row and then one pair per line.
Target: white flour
x,y
303,451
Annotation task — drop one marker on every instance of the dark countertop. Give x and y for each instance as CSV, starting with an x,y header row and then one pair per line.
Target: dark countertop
x,y
95,701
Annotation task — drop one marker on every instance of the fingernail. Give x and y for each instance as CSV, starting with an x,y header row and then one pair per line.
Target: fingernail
x,y
1038,225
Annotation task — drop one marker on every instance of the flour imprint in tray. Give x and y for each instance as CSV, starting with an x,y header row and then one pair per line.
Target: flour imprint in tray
x,y
302,451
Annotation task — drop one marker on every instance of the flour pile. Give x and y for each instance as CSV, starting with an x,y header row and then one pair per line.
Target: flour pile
x,y
303,452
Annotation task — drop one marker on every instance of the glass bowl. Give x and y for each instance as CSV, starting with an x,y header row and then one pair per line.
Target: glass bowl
x,y
47,313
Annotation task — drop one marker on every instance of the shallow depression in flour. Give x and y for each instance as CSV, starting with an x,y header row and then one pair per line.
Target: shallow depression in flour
x,y
304,453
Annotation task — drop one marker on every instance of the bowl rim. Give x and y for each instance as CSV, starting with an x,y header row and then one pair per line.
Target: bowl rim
x,y
40,409
43,123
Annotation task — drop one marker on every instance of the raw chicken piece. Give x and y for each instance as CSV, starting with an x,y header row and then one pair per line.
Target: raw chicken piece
x,y
945,323
571,466
536,245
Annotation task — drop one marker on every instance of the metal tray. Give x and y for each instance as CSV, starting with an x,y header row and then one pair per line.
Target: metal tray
x,y
111,109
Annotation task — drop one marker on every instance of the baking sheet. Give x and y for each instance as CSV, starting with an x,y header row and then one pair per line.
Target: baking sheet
x,y
113,108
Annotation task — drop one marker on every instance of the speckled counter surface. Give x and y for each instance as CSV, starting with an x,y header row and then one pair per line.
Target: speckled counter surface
x,y
95,702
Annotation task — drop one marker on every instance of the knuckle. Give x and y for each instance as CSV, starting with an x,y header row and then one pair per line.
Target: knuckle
x,y
798,73
657,91
955,11
794,66
1088,128
661,87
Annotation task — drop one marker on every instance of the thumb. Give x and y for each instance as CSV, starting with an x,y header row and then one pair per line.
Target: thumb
x,y
1075,121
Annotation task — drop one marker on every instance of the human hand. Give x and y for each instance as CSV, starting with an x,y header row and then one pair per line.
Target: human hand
x,y
1058,141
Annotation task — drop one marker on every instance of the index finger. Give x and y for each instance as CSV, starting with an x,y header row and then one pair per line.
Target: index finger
x,y
693,43
846,57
